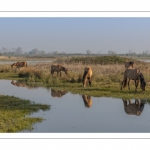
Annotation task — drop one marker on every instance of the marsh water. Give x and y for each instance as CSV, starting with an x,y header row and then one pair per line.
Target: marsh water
x,y
74,113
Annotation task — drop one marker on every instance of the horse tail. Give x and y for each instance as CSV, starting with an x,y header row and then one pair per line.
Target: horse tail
x,y
125,82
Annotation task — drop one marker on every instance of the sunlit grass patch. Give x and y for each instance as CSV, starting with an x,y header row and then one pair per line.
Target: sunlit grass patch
x,y
14,114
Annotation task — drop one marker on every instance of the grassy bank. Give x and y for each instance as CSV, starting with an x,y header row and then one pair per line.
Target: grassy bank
x,y
14,114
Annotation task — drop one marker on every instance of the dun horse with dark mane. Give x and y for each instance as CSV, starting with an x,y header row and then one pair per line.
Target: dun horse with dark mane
x,y
58,68
136,75
19,64
87,76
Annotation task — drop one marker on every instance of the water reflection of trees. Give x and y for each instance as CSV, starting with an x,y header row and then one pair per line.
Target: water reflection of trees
x,y
134,107
57,93
87,100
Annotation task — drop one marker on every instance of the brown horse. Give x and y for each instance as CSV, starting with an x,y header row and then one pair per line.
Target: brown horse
x,y
87,76
136,75
58,68
128,64
133,108
19,64
57,93
87,100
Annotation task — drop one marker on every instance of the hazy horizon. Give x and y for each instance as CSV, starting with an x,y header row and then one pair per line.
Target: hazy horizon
x,y
76,35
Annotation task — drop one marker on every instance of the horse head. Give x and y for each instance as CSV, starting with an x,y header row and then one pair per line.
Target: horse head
x,y
65,70
142,81
13,65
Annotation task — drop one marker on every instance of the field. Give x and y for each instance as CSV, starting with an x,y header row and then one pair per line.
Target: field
x,y
106,79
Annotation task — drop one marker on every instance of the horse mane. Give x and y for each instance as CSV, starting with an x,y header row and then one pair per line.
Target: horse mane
x,y
142,80
84,75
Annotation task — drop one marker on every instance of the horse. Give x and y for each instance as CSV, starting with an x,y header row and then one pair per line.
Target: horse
x,y
128,64
87,76
57,93
136,75
19,64
133,108
87,100
58,68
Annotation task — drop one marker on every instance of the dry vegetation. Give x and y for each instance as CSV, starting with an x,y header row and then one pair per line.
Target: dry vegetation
x,y
106,75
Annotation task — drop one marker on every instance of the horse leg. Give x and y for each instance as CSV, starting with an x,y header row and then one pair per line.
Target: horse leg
x,y
52,73
90,82
57,73
136,84
121,85
60,73
89,79
129,84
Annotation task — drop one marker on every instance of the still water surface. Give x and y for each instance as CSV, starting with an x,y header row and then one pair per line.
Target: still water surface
x,y
73,113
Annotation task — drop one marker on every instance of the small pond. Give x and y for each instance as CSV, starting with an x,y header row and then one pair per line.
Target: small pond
x,y
74,113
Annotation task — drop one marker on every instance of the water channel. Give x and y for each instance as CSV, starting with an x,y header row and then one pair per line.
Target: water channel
x,y
74,113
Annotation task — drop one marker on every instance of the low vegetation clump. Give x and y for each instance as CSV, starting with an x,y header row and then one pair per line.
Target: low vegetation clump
x,y
103,60
14,114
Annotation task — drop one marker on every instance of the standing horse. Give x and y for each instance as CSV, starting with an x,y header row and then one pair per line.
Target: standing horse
x,y
136,75
128,64
19,64
58,68
87,76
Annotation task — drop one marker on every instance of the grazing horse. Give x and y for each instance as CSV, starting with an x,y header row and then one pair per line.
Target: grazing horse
x,y
19,64
87,76
136,75
57,93
87,100
128,64
58,68
133,108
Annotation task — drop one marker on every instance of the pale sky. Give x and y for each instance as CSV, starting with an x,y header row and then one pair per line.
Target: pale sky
x,y
76,35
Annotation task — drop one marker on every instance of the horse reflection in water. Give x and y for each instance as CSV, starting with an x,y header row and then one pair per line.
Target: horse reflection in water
x,y
57,93
87,100
133,108
21,84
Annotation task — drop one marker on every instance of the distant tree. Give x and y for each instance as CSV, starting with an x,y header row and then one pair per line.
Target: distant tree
x,y
35,51
110,52
88,52
18,51
54,52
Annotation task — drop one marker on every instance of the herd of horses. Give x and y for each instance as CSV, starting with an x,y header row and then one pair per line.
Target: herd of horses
x,y
130,73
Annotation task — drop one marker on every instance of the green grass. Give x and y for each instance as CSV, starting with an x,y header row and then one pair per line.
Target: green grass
x,y
106,90
14,114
